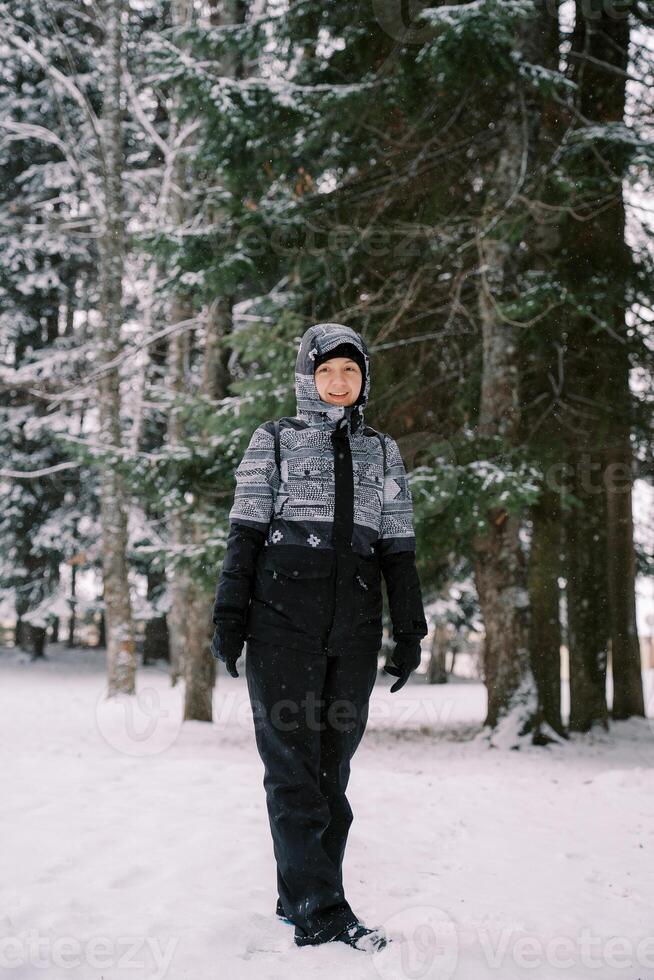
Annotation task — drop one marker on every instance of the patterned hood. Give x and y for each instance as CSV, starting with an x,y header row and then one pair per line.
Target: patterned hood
x,y
319,339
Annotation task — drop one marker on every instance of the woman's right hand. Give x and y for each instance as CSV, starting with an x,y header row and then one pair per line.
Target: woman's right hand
x,y
227,646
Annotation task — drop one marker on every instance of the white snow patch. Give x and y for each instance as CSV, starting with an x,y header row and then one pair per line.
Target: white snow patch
x,y
124,825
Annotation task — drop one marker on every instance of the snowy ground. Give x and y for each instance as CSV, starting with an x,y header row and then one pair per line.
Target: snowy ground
x,y
136,846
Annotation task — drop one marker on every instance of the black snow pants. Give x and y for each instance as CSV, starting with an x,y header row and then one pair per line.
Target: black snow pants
x,y
310,713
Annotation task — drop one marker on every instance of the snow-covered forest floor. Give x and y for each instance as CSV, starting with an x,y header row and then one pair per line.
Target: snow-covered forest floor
x,y
135,845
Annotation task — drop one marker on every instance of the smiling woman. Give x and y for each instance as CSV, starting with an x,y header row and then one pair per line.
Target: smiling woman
x,y
322,510
339,375
339,381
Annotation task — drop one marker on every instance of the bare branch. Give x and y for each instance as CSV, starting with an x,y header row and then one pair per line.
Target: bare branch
x,y
35,474
140,115
67,83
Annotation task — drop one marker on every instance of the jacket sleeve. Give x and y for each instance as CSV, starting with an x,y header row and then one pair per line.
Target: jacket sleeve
x,y
397,550
256,483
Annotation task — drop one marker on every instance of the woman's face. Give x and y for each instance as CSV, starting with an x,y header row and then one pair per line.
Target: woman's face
x,y
339,381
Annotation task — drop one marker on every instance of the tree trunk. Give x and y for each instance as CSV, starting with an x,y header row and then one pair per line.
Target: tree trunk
x,y
499,570
73,592
178,576
608,41
540,421
190,619
628,698
180,310
121,650
199,662
498,560
602,607
102,631
588,623
215,375
185,650
155,640
37,642
544,594
437,669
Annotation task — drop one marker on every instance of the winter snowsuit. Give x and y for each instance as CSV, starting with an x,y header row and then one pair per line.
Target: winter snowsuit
x,y
308,544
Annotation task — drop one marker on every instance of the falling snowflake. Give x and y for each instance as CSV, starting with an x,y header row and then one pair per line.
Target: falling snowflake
x,y
312,353
277,536
313,540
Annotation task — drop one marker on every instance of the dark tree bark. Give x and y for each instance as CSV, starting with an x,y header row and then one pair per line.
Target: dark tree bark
x,y
102,631
628,698
499,563
539,369
37,642
602,606
588,619
72,617
155,640
544,594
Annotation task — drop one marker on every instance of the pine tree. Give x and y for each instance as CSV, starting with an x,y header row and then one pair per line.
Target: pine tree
x,y
40,268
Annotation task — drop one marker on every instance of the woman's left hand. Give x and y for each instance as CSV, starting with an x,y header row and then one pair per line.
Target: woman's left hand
x,y
405,658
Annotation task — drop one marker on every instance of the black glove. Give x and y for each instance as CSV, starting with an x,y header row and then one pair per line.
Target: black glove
x,y
404,659
227,645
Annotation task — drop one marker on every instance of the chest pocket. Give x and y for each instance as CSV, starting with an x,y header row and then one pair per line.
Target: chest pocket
x,y
308,481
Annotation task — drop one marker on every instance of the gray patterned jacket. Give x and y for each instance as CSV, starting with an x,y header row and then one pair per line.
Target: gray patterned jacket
x,y
282,581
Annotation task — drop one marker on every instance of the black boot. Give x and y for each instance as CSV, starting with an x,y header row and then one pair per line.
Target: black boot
x,y
281,914
360,937
356,935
